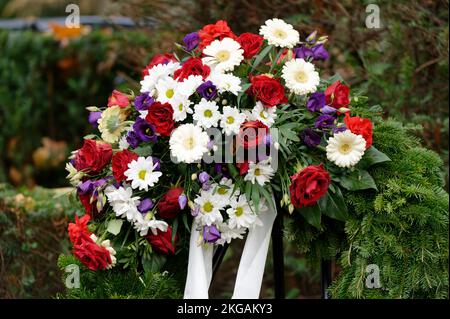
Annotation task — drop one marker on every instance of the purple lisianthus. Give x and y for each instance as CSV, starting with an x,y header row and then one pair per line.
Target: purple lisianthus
x,y
328,110
324,122
156,163
89,187
145,205
211,234
339,129
182,201
133,139
316,102
222,170
207,90
206,186
94,117
196,210
320,53
310,138
203,177
144,130
303,52
143,101
191,41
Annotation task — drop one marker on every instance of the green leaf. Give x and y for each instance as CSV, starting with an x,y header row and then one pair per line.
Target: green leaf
x,y
268,197
255,197
153,263
114,226
261,56
312,215
174,230
145,150
232,169
248,190
333,205
358,180
371,157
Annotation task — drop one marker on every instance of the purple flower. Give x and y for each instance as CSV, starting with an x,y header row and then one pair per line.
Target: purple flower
x,y
156,163
143,101
206,186
222,170
145,205
144,130
310,138
196,210
328,110
89,187
191,41
320,53
316,102
303,52
182,201
267,139
133,139
324,122
339,129
203,177
207,90
94,117
211,234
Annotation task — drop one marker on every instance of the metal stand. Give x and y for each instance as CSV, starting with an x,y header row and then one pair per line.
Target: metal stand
x,y
278,256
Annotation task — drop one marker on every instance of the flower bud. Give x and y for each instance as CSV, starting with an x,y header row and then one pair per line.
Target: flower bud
x,y
203,177
291,208
344,109
194,177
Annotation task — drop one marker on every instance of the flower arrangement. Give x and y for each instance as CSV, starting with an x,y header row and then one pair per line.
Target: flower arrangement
x,y
211,139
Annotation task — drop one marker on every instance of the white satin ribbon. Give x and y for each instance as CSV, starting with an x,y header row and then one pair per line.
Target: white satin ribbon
x,y
251,265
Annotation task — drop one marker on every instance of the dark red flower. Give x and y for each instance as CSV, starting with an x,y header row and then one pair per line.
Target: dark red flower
x,y
168,206
252,134
161,116
79,231
337,95
158,59
162,241
309,185
93,256
251,44
267,90
120,162
193,66
93,156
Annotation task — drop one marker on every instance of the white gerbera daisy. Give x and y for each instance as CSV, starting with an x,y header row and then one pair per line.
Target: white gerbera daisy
x,y
206,113
189,85
223,55
112,124
265,115
122,202
300,76
345,149
209,209
157,72
225,82
231,120
224,191
241,215
181,107
165,89
141,173
227,233
260,172
188,143
279,33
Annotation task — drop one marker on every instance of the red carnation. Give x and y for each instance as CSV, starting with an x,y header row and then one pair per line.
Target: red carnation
x,y
161,116
158,59
337,95
168,206
120,162
309,185
211,32
162,242
93,256
193,66
93,157
251,44
252,134
118,98
267,90
360,126
79,231
243,167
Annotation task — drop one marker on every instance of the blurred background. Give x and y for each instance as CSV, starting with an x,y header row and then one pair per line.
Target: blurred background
x,y
49,73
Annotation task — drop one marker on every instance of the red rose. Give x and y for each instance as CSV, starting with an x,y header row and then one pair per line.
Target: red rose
x,y
251,44
193,66
158,59
211,32
93,157
161,116
252,134
162,242
243,167
360,126
79,231
120,162
89,202
337,95
309,185
119,99
168,206
93,256
267,90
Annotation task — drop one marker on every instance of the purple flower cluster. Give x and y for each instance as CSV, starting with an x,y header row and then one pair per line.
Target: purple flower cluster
x,y
191,41
207,90
211,234
317,53
142,132
143,101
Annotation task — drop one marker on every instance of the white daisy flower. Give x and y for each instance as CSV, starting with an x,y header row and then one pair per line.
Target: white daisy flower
x,y
112,124
123,143
112,252
143,224
209,209
231,120
224,191
165,89
225,82
223,55
241,215
122,202
345,149
141,173
206,113
265,115
189,85
227,233
188,143
279,33
300,76
156,73
260,172
74,175
181,107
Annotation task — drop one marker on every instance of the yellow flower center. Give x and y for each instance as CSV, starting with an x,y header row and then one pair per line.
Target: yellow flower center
x,y
169,93
239,211
230,120
189,143
223,55
257,172
208,113
280,34
263,115
142,174
345,148
180,107
208,207
222,190
301,77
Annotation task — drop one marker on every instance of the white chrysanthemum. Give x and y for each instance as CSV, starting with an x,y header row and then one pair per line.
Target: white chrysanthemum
x,y
241,215
112,124
227,234
156,73
206,113
265,115
231,120
189,85
223,55
181,107
209,209
279,33
300,76
112,252
122,202
224,191
345,149
188,143
143,224
165,89
74,175
260,172
225,82
141,173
